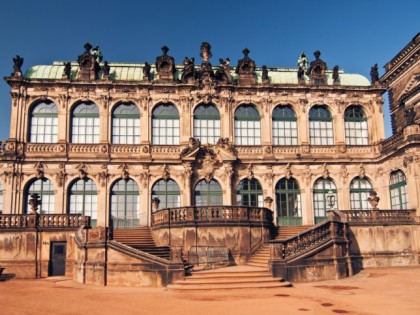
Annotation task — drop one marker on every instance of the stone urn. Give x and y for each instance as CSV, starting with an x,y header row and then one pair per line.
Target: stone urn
x,y
155,204
268,201
34,202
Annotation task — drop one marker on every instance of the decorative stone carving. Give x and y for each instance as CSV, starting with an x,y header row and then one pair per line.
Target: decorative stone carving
x,y
225,150
379,172
189,75
206,71
146,71
246,69
88,65
39,169
268,175
165,173
317,70
344,173
374,74
228,102
34,202
60,178
325,171
67,71
249,171
188,171
335,75
410,116
264,74
102,178
228,173
82,168
191,150
307,174
302,61
165,65
144,176
373,200
288,171
208,167
124,171
223,73
17,66
106,70
362,171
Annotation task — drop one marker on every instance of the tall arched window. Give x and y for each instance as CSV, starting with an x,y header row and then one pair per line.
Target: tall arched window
x,y
1,198
289,209
207,124
356,126
125,204
249,193
126,124
284,126
85,123
83,199
322,189
45,190
398,191
165,124
359,193
247,126
44,123
320,126
168,193
208,194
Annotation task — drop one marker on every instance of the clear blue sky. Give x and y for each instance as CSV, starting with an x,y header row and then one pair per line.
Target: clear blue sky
x,y
352,34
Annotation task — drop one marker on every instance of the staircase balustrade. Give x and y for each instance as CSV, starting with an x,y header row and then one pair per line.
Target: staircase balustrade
x,y
21,221
361,217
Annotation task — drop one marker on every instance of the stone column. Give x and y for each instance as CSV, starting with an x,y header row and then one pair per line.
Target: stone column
x,y
339,131
104,117
266,129
103,209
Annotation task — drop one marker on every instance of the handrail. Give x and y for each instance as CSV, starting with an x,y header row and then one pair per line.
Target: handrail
x,y
361,217
19,221
208,214
305,242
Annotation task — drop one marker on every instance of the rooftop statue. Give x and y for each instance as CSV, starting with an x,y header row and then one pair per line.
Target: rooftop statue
x,y
317,70
165,65
302,61
301,75
410,116
264,74
146,71
206,67
67,70
17,66
335,75
89,66
106,69
97,53
188,72
223,73
374,74
246,69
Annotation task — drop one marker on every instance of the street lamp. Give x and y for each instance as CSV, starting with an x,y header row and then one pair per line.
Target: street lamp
x,y
330,199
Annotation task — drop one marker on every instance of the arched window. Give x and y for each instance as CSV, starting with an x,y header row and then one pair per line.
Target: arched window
x,y
398,191
359,193
289,209
249,193
43,123
165,124
83,199
323,188
168,193
247,126
85,123
208,194
125,204
320,126
45,190
126,124
284,126
356,126
1,198
207,124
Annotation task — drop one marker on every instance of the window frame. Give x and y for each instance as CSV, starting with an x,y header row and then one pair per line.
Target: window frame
x,y
207,118
245,124
276,121
95,125
257,193
159,137
208,193
319,125
54,124
133,132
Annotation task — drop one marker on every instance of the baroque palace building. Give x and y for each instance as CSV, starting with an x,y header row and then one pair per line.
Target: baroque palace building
x,y
120,141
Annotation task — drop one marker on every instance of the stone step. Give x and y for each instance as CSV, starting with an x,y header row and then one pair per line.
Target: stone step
x,y
227,281
233,276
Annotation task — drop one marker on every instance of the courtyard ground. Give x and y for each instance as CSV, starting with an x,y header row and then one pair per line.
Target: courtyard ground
x,y
372,291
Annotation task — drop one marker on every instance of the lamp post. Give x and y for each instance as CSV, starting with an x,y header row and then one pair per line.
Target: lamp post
x,y
330,199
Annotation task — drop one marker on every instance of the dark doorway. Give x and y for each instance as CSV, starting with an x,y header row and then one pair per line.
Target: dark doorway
x,y
58,259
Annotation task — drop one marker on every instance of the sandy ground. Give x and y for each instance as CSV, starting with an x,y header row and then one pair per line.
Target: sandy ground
x,y
373,291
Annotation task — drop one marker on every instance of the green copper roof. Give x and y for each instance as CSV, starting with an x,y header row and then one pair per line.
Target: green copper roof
x,y
134,72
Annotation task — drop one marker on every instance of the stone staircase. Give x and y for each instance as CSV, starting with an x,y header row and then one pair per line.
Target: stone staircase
x,y
228,278
262,255
141,239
